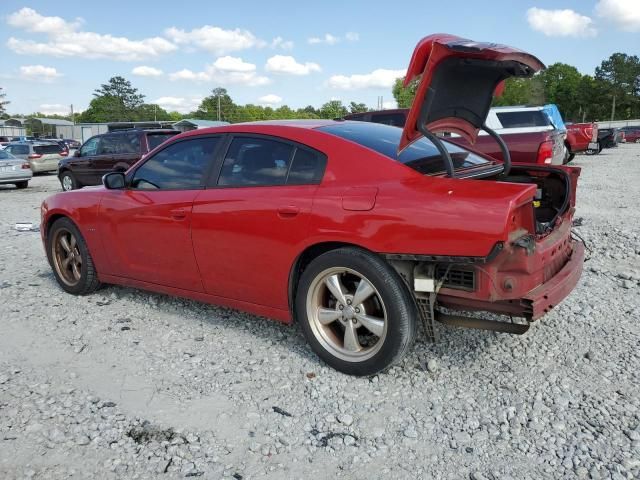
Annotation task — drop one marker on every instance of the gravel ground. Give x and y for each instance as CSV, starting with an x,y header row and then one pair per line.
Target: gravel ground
x,y
127,384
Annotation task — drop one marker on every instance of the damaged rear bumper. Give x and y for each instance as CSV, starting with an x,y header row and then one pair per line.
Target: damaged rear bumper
x,y
552,292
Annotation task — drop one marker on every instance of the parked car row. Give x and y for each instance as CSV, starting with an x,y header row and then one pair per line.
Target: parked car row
x,y
14,170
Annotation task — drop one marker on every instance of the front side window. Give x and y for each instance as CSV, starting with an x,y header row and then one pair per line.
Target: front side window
x,y
256,162
90,147
180,166
108,145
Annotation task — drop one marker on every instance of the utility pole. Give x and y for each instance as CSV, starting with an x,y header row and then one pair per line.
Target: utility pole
x,y
218,107
73,117
155,116
613,108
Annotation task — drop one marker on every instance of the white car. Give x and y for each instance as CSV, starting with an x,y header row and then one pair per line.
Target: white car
x,y
14,170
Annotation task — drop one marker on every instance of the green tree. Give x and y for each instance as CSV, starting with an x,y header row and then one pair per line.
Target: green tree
x,y
105,108
620,74
357,107
151,111
3,102
121,88
404,95
208,109
333,109
560,82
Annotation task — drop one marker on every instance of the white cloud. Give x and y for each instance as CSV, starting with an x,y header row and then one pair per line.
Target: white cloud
x,y
54,109
352,36
327,38
280,42
31,21
225,70
380,78
624,13
560,23
389,104
270,99
66,40
215,39
39,73
233,64
288,64
179,104
144,71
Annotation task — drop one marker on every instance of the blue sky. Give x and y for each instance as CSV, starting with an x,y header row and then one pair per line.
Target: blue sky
x,y
295,53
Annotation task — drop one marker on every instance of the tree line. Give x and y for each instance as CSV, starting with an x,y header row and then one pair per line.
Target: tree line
x,y
611,93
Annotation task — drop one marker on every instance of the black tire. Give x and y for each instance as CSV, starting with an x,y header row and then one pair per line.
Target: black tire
x,y
401,314
88,281
69,177
21,185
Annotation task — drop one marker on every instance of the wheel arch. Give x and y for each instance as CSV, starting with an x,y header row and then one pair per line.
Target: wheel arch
x,y
304,258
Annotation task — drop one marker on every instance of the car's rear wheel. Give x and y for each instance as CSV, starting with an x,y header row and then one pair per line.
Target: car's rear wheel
x,y
355,311
21,185
68,181
70,258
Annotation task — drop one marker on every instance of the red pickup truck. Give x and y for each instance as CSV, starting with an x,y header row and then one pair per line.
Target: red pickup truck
x,y
581,137
540,143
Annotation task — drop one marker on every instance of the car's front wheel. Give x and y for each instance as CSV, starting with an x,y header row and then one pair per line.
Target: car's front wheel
x,y
355,311
70,258
68,181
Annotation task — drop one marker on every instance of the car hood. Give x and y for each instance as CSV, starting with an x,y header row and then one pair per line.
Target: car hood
x,y
459,79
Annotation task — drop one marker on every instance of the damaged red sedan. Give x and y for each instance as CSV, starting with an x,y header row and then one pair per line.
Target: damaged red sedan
x,y
358,231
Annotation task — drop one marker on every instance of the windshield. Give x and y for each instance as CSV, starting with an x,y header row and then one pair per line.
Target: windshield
x,y
421,155
156,139
524,118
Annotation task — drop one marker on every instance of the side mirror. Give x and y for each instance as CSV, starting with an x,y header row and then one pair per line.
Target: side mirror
x,y
76,153
114,181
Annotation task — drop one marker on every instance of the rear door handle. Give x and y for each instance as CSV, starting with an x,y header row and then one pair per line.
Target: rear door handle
x,y
178,214
288,211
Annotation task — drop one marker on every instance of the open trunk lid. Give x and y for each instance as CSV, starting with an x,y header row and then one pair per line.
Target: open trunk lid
x,y
459,79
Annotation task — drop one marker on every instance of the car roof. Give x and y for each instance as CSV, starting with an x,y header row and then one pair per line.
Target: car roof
x,y
267,124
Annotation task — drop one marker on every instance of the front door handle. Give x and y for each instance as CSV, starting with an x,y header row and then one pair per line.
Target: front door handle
x,y
178,214
288,211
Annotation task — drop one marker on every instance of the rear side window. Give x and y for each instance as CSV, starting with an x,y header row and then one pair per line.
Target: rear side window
x,y
47,149
256,162
129,143
307,167
394,119
19,149
527,118
180,166
155,139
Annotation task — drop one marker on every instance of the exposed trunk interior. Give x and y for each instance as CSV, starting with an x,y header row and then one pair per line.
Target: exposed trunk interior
x,y
552,194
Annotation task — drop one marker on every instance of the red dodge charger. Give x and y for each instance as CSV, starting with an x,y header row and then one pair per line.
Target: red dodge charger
x,y
357,231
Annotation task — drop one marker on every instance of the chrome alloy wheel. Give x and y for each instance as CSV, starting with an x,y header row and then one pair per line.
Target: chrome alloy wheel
x,y
66,256
67,183
346,314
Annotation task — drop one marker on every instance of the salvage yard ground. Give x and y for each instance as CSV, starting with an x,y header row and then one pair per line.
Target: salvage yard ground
x,y
127,384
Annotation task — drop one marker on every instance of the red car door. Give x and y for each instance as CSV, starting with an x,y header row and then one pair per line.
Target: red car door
x,y
147,226
248,229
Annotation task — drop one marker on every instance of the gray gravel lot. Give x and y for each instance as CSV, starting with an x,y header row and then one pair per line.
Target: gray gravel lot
x,y
127,384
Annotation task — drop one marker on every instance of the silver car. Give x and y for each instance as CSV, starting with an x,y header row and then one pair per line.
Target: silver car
x,y
42,156
14,170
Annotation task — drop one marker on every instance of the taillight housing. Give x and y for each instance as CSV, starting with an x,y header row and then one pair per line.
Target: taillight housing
x,y
64,153
545,152
25,166
33,156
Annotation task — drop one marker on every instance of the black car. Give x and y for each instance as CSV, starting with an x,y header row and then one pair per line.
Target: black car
x,y
71,143
609,137
106,153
